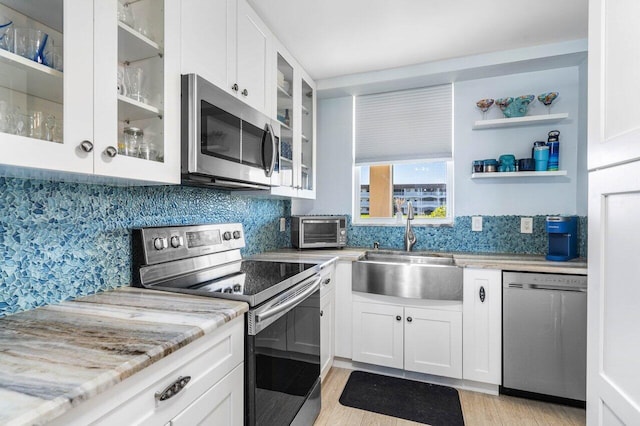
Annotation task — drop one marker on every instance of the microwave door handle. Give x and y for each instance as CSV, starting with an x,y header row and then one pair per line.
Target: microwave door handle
x,y
268,169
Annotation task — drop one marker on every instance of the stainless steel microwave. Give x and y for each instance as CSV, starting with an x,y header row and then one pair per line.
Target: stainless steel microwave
x,y
318,231
225,143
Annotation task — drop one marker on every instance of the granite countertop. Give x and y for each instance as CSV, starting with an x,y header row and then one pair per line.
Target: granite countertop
x,y
504,261
56,356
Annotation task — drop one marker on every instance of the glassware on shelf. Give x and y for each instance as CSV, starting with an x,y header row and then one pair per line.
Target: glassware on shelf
x,y
125,14
135,84
5,117
484,105
547,99
35,122
6,33
133,137
147,149
49,127
32,44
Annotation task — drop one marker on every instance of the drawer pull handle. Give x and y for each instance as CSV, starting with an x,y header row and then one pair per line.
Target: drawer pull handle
x,y
482,294
173,388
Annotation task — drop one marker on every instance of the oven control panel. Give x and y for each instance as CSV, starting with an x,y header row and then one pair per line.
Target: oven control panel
x,y
162,244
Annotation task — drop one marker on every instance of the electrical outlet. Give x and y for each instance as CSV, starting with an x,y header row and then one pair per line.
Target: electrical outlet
x,y
476,223
283,224
526,225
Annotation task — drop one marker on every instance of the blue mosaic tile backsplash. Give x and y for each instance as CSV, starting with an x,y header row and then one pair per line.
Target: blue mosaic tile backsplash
x,y
500,234
60,241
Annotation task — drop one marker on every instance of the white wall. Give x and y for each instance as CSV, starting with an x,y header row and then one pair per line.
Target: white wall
x,y
518,196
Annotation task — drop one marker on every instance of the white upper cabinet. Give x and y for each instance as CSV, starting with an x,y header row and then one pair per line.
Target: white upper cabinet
x,y
227,44
294,97
253,66
614,56
137,90
62,108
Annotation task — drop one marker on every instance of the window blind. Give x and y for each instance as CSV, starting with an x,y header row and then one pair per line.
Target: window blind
x,y
404,125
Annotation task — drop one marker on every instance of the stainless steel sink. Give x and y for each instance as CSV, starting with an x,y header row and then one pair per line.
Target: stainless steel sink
x,y
409,257
408,274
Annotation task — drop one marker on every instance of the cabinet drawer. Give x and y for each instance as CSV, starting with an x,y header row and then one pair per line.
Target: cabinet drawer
x,y
133,401
222,404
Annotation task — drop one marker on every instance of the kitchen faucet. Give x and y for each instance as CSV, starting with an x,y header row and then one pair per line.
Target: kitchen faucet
x,y
409,236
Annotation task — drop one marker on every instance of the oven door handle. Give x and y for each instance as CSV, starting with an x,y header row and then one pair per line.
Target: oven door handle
x,y
293,301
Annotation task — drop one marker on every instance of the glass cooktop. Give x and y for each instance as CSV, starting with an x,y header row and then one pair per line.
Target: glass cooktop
x,y
252,278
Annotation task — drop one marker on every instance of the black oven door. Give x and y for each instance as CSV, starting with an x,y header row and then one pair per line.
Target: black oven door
x,y
283,357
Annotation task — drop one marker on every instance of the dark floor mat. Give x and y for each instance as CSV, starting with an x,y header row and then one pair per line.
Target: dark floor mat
x,y
407,399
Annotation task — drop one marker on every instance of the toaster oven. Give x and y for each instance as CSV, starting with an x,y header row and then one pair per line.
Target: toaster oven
x,y
318,231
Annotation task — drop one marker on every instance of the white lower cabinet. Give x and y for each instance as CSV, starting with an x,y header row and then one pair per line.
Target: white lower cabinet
x,y
220,405
213,395
378,334
482,325
433,342
422,339
327,296
326,333
343,309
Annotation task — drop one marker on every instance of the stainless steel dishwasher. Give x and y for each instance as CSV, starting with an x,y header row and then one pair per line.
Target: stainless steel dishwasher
x,y
544,346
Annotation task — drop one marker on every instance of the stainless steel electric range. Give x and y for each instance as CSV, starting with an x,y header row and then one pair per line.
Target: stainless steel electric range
x,y
282,377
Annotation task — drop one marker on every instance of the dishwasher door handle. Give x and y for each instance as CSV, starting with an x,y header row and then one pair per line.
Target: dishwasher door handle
x,y
547,287
557,288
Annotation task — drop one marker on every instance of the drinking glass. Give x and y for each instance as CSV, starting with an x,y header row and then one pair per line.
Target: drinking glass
x,y
6,33
135,84
35,122
133,138
125,14
5,118
19,121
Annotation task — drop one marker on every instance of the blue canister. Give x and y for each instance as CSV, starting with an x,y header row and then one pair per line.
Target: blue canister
x,y
554,155
553,142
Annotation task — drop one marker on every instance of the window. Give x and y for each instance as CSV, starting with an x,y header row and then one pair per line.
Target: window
x,y
384,190
403,153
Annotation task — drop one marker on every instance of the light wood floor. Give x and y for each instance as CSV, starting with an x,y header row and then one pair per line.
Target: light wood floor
x,y
478,409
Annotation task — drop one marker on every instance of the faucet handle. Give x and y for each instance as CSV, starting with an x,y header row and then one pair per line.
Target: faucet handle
x,y
376,245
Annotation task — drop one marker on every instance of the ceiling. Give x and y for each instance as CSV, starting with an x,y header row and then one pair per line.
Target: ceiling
x,y
338,37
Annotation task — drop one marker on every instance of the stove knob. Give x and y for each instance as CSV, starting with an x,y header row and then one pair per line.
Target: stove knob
x,y
226,236
228,290
160,243
237,288
236,235
176,241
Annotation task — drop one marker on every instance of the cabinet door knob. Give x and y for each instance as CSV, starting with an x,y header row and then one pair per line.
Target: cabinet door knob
x,y
482,294
398,318
327,281
111,151
245,92
409,319
86,146
235,87
321,313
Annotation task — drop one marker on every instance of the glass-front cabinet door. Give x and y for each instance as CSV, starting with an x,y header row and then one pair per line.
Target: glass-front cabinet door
x,y
285,116
137,72
90,87
46,84
307,140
